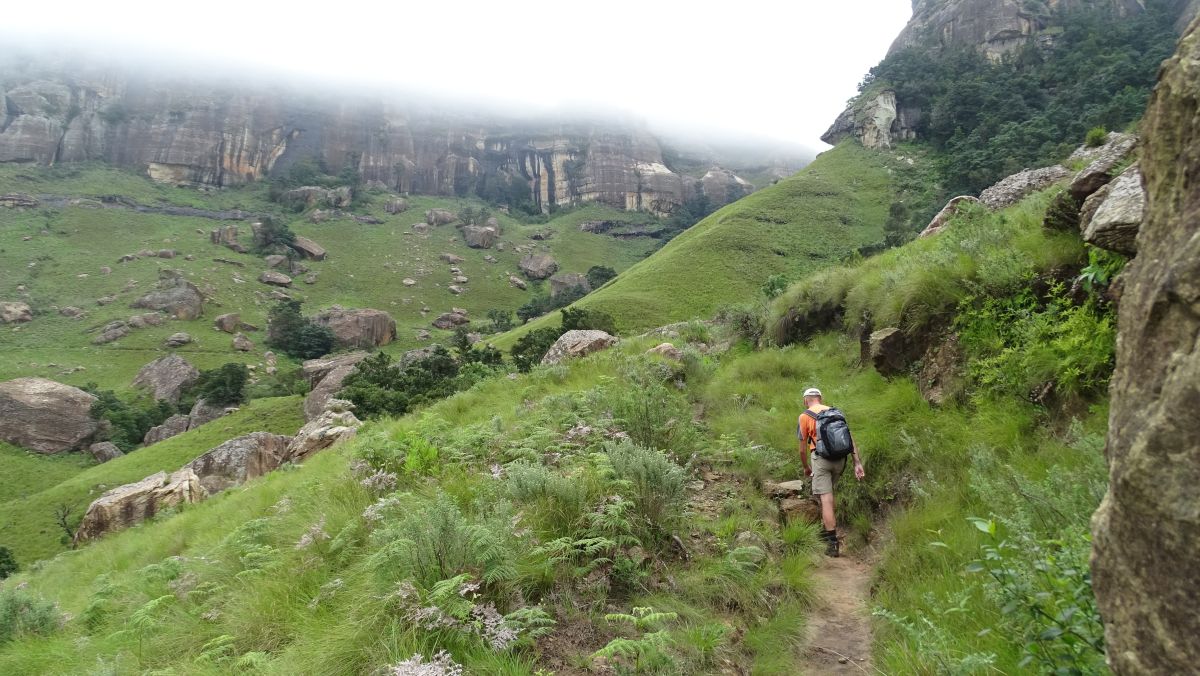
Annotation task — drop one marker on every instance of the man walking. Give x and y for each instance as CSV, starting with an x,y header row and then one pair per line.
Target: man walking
x,y
825,443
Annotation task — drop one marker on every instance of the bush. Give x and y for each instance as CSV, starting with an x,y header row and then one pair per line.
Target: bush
x,y
409,454
1096,137
531,347
775,285
378,387
502,320
272,236
129,420
598,275
8,564
540,305
652,415
579,319
654,483
21,613
224,386
289,332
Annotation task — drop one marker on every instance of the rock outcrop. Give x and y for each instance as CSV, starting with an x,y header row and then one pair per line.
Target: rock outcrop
x,y
954,207
358,328
877,122
203,412
104,451
889,351
1102,164
112,331
1112,216
308,248
538,266
450,320
335,424
238,460
1146,533
578,343
228,323
45,416
480,237
325,378
567,281
133,503
173,295
1014,188
176,424
439,217
273,278
15,312
167,377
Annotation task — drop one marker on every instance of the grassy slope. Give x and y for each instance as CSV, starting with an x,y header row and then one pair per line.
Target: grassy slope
x,y
61,265
27,520
23,473
804,223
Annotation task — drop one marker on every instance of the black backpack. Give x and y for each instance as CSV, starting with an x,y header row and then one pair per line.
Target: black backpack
x,y
833,434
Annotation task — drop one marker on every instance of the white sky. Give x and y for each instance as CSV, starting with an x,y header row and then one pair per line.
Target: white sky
x,y
781,69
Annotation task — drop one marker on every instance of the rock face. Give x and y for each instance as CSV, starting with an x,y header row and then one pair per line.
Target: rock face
x,y
44,416
238,460
889,350
133,503
1112,216
952,209
167,377
1146,533
566,281
173,295
105,451
719,186
480,237
1103,163
1017,187
358,328
538,266
578,344
877,122
176,424
15,313
335,424
308,248
325,378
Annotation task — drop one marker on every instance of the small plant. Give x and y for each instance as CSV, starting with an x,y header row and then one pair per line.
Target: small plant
x,y
1096,137
8,564
647,650
774,286
62,517
22,613
1103,266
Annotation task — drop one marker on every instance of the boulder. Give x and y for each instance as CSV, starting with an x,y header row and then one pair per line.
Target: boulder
x,y
408,281
517,282
167,253
460,279
358,327
176,424
450,320
1015,188
275,260
275,278
456,290
315,370
480,237
440,217
420,228
71,311
538,266
178,339
133,503
1112,216
203,412
111,331
667,351
308,248
143,320
396,205
1103,165
568,281
166,377
173,295
45,416
578,343
452,259
104,451
15,313
226,236
238,460
310,196
242,344
228,323
952,209
1146,533
335,424
889,351
326,389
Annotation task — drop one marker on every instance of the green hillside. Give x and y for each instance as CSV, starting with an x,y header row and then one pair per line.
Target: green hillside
x,y
818,217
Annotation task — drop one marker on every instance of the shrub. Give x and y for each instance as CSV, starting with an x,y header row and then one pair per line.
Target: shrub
x,y
655,484
502,320
529,349
652,415
8,564
1096,137
577,318
22,613
272,235
378,387
129,420
224,386
598,275
289,332
775,285
410,453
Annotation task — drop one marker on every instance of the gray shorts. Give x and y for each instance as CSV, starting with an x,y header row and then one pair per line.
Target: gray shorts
x,y
825,473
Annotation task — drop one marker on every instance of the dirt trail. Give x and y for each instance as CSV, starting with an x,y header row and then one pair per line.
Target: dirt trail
x,y
838,636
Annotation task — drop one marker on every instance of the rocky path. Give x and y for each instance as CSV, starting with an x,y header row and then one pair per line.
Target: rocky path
x,y
838,636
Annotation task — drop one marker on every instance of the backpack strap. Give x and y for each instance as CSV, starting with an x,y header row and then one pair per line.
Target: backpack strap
x,y
809,413
815,418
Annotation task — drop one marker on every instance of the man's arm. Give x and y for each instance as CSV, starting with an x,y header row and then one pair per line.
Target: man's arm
x,y
859,472
803,445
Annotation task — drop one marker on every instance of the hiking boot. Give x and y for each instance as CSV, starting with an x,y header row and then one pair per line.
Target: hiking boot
x,y
831,543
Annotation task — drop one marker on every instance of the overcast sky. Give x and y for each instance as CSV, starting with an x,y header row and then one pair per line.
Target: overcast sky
x,y
780,69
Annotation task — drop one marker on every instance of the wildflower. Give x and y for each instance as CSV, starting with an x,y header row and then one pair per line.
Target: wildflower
x,y
440,664
314,533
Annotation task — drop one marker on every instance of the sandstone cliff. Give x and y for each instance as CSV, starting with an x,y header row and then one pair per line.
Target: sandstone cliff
x,y
200,133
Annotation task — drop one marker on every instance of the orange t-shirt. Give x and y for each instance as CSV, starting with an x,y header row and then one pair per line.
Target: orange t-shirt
x,y
806,430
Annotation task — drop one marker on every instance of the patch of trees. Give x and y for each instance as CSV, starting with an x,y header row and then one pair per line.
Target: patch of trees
x,y
542,304
128,420
309,171
989,120
381,386
294,335
598,275
224,386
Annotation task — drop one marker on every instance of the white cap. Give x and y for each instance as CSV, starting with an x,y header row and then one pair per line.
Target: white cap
x,y
812,392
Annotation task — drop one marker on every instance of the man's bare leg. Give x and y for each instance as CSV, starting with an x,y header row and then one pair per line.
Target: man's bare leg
x,y
827,511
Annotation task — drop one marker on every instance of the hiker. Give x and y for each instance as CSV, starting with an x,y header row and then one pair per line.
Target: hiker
x,y
824,434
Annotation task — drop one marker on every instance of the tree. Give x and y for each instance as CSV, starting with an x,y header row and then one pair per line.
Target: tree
x,y
581,319
224,386
128,420
531,347
289,332
502,320
378,386
597,275
272,235
8,564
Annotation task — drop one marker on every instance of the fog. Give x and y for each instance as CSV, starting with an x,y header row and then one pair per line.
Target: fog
x,y
756,69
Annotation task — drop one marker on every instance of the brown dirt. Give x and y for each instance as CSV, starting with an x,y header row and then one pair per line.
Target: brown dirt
x,y
838,635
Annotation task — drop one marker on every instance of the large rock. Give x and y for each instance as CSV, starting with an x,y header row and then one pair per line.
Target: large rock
x,y
578,344
538,266
274,278
480,237
178,339
315,370
104,451
173,295
953,208
1102,165
44,416
128,505
517,282
1112,216
238,460
358,328
203,412
308,248
450,320
568,281
1014,188
228,323
440,217
176,424
335,424
325,390
396,205
242,344
889,351
877,122
15,313
1146,534
452,259
167,377
112,331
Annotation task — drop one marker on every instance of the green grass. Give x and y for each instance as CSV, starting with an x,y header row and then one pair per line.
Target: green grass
x,y
804,223
27,519
23,473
